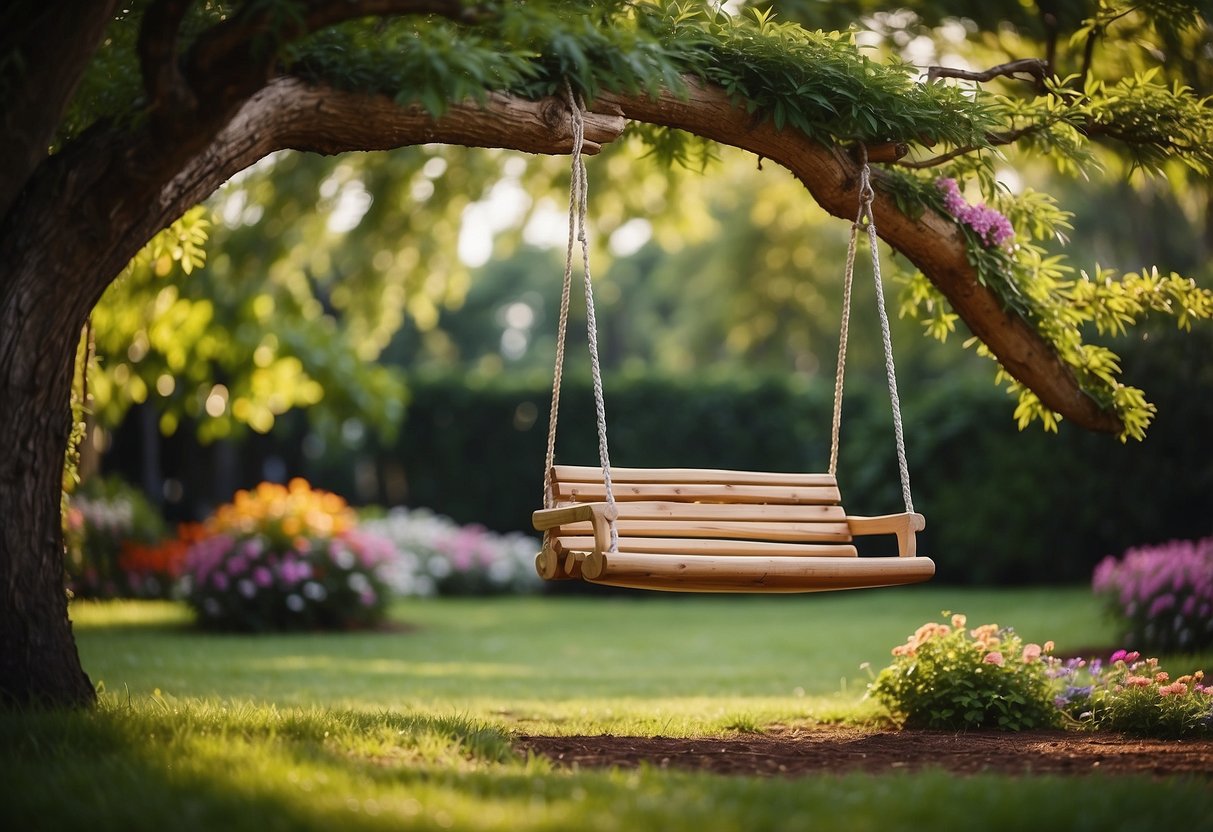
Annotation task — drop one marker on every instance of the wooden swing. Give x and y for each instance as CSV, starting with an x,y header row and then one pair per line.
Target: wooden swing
x,y
697,530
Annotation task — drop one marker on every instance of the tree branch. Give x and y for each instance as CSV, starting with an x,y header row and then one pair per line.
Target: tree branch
x,y
233,59
1034,67
48,46
994,139
167,92
156,184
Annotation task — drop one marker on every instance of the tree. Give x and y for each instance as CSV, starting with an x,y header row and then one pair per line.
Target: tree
x,y
147,108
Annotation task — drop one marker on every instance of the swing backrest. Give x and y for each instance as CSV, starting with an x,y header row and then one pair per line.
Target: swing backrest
x,y
708,512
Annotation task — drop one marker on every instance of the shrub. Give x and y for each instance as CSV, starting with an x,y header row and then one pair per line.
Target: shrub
x,y
1134,696
1162,596
106,519
287,558
948,677
439,557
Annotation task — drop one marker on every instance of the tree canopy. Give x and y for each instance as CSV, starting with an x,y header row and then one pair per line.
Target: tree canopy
x,y
142,110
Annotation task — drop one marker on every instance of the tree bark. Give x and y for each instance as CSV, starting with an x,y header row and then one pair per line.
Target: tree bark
x,y
90,208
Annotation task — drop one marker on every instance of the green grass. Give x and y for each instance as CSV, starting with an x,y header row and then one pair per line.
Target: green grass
x,y
671,665
411,729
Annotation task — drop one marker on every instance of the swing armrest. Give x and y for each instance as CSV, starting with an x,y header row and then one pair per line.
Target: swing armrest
x,y
600,514
902,525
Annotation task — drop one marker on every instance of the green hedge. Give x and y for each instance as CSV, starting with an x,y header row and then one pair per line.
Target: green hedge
x,y
1002,506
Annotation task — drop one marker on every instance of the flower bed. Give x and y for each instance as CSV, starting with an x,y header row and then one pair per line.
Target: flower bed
x,y
110,530
1161,596
948,677
439,557
287,558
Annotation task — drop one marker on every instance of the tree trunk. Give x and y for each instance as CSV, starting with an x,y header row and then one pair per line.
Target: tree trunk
x,y
38,659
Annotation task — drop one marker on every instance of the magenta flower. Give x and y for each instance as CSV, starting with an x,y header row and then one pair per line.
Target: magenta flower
x,y
992,227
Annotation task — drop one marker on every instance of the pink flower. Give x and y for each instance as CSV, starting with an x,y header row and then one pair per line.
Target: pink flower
x,y
994,657
958,621
1138,681
1176,689
1031,653
991,226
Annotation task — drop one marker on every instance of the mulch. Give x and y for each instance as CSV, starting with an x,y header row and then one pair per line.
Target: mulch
x,y
795,752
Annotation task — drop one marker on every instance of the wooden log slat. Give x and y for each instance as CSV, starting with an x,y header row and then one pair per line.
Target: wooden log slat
x,y
722,493
752,574
694,547
825,532
664,510
590,473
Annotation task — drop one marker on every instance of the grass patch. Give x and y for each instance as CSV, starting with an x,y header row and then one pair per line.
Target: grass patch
x,y
650,665
160,763
411,729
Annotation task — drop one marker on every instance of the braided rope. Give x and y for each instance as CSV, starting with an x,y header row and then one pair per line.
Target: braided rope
x,y
903,467
866,219
578,202
844,331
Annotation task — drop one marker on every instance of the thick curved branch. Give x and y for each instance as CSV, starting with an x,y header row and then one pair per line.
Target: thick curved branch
x,y
288,113
328,121
932,242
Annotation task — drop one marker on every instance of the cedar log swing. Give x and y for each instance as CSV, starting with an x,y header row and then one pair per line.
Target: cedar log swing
x,y
699,530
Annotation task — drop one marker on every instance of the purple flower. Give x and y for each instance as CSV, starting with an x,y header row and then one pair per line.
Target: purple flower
x,y
991,226
262,577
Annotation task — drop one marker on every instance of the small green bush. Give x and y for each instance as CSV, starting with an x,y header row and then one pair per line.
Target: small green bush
x,y
948,677
1134,696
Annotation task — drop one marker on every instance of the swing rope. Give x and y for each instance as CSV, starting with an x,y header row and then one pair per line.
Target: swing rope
x,y
866,219
578,200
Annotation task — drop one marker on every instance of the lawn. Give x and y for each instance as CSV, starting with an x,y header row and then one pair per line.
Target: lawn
x,y
411,728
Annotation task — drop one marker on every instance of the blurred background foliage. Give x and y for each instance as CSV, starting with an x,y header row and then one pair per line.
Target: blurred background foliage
x,y
384,325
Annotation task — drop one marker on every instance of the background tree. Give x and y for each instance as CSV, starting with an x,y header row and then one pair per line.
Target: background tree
x,y
138,113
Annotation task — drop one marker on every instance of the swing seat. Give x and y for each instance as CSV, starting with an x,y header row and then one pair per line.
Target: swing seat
x,y
700,530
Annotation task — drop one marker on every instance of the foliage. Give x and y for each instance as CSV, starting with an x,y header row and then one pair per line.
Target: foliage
x,y
436,556
185,345
1133,695
286,558
106,522
1043,290
948,677
1161,597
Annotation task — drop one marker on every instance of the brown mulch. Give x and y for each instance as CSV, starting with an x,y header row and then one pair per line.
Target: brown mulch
x,y
836,750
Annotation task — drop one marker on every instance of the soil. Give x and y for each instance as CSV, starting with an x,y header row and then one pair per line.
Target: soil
x,y
788,752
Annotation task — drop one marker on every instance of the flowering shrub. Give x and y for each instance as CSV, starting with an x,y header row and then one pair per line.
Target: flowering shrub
x,y
1134,696
991,226
151,570
946,676
104,520
1161,595
439,557
287,558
